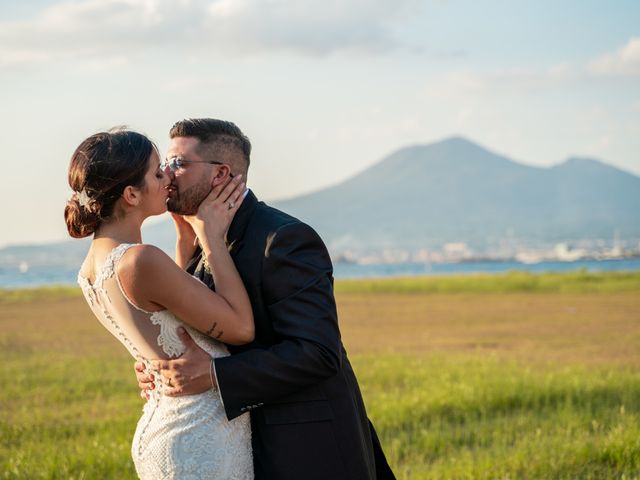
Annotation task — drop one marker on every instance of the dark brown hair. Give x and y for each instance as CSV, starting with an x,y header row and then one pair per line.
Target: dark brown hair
x,y
212,131
100,169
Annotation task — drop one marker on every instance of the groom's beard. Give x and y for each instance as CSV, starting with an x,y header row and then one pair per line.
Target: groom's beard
x,y
186,202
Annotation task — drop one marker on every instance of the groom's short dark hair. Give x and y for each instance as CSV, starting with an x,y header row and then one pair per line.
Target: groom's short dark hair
x,y
211,131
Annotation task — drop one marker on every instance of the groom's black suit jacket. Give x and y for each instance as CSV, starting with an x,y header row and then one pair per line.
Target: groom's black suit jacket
x,y
307,414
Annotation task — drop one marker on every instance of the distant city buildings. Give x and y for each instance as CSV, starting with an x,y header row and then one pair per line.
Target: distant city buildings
x,y
510,250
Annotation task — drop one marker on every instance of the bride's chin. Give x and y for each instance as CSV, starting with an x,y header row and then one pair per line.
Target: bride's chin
x,y
160,211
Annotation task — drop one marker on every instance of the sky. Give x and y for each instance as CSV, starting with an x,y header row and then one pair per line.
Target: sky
x,y
324,89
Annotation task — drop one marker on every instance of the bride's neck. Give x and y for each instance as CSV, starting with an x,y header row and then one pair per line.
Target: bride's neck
x,y
124,230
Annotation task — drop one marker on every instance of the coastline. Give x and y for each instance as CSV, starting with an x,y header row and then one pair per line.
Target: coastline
x,y
510,281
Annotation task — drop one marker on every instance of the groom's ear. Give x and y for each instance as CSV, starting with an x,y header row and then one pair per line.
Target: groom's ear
x,y
222,175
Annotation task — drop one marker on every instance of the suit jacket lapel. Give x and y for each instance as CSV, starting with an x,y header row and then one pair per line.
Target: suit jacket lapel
x,y
235,240
235,235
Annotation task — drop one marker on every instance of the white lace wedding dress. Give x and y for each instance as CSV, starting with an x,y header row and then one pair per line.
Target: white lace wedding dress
x,y
187,437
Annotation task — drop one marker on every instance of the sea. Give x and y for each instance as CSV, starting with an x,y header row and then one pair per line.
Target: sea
x,y
25,276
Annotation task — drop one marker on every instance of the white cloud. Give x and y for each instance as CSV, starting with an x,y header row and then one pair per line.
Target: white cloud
x,y
623,62
74,16
88,28
195,83
308,26
511,80
81,29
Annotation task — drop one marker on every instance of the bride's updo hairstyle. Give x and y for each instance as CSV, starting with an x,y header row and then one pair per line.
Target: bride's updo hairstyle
x,y
100,169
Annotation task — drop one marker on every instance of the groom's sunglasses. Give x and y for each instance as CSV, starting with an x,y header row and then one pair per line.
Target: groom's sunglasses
x,y
177,163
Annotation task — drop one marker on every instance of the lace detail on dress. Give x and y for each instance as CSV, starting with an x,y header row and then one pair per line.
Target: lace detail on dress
x,y
168,338
108,269
187,437
91,292
171,342
190,438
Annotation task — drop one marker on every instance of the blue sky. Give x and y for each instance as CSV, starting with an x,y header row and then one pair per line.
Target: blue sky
x,y
323,88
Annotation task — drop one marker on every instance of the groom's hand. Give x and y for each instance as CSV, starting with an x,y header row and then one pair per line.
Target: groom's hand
x,y
189,374
145,380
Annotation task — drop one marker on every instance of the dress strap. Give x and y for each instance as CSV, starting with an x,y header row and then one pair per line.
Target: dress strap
x,y
108,269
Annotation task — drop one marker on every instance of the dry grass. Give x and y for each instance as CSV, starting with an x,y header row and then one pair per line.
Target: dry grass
x,y
542,327
62,325
583,328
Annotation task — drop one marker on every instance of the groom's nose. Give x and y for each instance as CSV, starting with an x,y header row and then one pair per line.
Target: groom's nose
x,y
169,172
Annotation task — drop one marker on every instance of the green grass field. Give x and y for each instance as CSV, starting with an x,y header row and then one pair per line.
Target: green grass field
x,y
511,376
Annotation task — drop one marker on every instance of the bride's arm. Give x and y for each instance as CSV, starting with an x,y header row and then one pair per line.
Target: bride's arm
x,y
186,240
151,279
159,283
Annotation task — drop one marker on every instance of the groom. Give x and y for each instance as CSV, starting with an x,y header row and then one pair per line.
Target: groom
x,y
307,414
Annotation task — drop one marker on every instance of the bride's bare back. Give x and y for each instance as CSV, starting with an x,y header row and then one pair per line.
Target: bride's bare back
x,y
140,331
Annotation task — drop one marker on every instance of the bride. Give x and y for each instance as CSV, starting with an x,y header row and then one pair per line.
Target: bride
x,y
142,297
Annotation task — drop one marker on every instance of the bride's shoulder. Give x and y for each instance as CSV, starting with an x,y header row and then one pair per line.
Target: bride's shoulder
x,y
144,258
140,271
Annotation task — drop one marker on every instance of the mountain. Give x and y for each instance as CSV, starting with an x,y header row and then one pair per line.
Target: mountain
x,y
427,195
457,191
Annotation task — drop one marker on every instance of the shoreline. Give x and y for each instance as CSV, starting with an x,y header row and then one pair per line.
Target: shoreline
x,y
511,281
42,276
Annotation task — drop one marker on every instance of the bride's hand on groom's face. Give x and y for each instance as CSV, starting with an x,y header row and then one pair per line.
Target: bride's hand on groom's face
x,y
183,227
186,238
217,210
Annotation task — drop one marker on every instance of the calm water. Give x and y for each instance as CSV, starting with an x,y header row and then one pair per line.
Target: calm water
x,y
368,271
13,277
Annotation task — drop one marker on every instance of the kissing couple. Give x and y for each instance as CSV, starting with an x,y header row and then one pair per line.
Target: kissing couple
x,y
237,342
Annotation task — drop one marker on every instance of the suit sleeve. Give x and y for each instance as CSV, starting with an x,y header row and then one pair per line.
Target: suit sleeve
x,y
192,264
297,288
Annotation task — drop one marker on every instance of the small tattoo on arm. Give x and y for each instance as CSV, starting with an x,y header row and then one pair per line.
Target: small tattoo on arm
x,y
219,334
210,331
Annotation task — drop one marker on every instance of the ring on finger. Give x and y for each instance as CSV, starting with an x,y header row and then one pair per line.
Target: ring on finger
x,y
231,205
